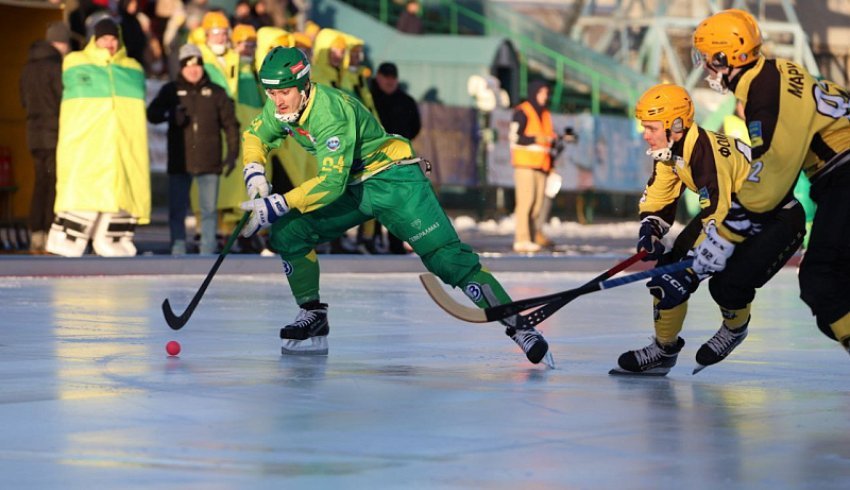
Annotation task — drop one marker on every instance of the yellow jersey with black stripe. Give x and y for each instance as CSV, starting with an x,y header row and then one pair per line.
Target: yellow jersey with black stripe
x,y
712,165
795,122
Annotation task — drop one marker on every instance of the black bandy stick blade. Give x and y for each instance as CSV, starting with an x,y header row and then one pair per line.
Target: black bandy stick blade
x,y
173,321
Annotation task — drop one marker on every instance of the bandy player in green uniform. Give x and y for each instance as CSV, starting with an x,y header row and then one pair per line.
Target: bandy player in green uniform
x,y
363,173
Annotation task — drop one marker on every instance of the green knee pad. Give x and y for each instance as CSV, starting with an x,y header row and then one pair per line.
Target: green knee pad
x,y
302,272
484,290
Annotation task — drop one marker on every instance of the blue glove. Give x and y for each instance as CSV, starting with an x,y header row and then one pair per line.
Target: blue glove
x,y
674,288
264,212
652,230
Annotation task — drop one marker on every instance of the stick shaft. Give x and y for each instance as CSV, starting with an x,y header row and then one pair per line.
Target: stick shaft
x,y
531,319
176,322
500,312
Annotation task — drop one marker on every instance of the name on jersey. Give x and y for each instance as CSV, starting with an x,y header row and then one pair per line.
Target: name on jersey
x,y
795,80
725,146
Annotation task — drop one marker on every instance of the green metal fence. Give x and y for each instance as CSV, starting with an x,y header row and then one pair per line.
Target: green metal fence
x,y
595,74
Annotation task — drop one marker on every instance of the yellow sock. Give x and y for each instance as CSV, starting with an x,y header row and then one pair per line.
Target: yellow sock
x,y
841,328
735,319
668,323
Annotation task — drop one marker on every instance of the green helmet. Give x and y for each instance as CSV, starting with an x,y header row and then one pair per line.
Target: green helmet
x,y
285,67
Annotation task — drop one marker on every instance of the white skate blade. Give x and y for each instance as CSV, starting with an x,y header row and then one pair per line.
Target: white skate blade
x,y
314,346
549,360
617,371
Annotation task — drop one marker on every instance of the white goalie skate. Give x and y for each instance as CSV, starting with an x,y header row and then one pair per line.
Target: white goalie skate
x,y
308,334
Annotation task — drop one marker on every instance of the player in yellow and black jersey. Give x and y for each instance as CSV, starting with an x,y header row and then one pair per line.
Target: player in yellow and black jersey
x,y
715,167
795,122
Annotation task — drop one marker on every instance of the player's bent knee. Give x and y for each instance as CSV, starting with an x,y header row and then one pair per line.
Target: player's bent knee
x,y
293,239
733,296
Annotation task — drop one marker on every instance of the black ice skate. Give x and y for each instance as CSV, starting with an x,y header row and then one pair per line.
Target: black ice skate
x,y
308,334
533,344
719,346
652,360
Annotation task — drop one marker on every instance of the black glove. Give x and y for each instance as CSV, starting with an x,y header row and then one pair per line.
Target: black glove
x,y
181,116
652,230
674,288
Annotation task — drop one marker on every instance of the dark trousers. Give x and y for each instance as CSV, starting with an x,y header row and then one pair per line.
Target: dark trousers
x,y
825,271
44,190
759,258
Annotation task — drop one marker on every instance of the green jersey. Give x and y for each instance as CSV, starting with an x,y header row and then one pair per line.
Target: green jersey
x,y
350,145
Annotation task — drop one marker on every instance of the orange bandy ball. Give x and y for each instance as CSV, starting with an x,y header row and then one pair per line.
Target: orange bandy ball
x,y
173,348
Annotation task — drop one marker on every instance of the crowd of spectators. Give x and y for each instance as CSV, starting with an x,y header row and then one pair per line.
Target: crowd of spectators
x,y
87,117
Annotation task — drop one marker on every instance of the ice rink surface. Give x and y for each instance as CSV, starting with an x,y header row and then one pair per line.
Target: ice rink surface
x,y
408,397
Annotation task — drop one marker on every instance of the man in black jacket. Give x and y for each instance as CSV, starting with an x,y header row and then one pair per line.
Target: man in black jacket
x,y
41,95
399,115
197,111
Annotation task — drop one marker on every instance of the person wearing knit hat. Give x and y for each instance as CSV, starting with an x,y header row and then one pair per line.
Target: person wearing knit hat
x,y
198,113
106,36
59,35
41,96
187,53
103,200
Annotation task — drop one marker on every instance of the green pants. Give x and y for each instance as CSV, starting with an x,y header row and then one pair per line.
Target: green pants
x,y
403,200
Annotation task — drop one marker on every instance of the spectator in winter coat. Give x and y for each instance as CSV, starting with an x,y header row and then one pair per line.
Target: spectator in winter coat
x,y
134,36
102,164
197,111
399,115
398,111
41,96
531,137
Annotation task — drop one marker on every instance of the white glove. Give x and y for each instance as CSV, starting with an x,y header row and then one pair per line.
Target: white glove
x,y
711,254
264,212
254,175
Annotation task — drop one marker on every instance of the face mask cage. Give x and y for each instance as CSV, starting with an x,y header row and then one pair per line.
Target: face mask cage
x,y
717,62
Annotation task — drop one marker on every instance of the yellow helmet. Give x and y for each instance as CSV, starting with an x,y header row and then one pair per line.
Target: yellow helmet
x,y
730,38
243,33
215,20
670,104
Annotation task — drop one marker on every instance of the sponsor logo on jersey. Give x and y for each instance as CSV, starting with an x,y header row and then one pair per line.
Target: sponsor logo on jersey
x,y
287,267
704,198
473,291
417,223
421,234
206,92
754,128
332,143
